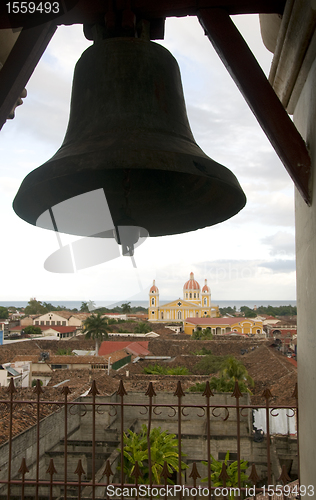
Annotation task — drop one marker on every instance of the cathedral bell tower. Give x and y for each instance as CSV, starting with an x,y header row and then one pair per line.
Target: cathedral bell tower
x,y
153,302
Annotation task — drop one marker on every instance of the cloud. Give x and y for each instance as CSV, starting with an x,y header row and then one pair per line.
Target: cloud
x,y
280,243
280,266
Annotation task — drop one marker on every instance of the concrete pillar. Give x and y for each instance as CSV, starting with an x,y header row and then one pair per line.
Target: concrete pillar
x,y
305,221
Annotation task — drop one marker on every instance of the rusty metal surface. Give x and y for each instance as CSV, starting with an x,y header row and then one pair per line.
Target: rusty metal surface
x,y
21,63
177,408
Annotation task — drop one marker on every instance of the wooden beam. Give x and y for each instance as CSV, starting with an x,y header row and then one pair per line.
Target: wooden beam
x,y
260,96
21,63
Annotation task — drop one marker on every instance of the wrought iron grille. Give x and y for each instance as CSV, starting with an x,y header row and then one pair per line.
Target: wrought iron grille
x,y
91,473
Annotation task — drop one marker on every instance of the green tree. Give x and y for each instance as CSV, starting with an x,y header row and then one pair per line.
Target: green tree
x,y
142,327
35,307
249,313
232,368
84,307
32,330
232,472
208,364
163,447
4,313
126,307
200,334
96,328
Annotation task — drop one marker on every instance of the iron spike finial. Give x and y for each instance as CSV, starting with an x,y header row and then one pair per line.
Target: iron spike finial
x,y
93,390
150,390
11,387
284,477
253,476
79,470
38,388
194,472
121,390
208,391
23,469
108,471
51,468
267,394
165,471
179,391
223,475
65,390
136,471
237,392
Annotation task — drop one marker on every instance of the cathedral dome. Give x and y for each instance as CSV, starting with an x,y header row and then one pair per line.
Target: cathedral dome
x,y
191,284
153,289
206,288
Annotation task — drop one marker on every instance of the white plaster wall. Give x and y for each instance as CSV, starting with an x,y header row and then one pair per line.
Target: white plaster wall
x,y
305,119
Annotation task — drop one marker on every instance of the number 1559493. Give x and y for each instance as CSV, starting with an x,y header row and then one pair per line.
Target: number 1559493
x,y
33,7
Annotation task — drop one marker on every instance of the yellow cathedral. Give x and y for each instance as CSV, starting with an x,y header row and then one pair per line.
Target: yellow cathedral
x,y
196,303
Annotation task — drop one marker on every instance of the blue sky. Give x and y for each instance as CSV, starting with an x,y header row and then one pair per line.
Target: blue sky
x,y
250,256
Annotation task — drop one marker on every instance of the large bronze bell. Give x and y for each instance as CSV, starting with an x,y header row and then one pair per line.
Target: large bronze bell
x,y
129,135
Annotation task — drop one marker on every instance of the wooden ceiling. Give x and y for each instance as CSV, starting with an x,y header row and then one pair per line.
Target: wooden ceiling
x,y
214,16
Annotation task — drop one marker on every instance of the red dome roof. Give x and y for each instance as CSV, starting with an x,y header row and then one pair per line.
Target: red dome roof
x,y
153,288
191,284
205,288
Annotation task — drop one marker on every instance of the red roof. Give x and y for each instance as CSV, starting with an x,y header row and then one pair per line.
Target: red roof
x,y
153,288
205,287
191,284
107,347
60,329
218,321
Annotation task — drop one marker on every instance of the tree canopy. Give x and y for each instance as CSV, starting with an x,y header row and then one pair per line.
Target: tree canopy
x,y
96,328
32,330
35,307
4,313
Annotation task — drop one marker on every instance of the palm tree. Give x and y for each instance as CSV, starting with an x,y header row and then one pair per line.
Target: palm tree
x,y
126,307
96,328
234,369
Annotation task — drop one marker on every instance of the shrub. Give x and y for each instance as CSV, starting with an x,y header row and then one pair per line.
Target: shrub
x,y
163,447
163,370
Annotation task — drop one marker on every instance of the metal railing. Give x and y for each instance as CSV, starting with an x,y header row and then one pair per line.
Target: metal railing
x,y
89,472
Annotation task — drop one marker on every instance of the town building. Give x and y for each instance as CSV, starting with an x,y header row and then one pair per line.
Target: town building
x,y
222,326
196,303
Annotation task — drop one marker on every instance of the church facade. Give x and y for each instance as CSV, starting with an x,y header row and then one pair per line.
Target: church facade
x,y
196,302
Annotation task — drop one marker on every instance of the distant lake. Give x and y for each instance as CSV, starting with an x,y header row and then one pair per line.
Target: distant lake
x,y
72,304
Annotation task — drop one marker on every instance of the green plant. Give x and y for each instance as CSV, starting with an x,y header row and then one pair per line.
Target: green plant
x,y
208,364
200,334
142,328
126,307
163,370
34,382
198,387
163,448
32,330
232,472
64,352
232,368
202,352
96,328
